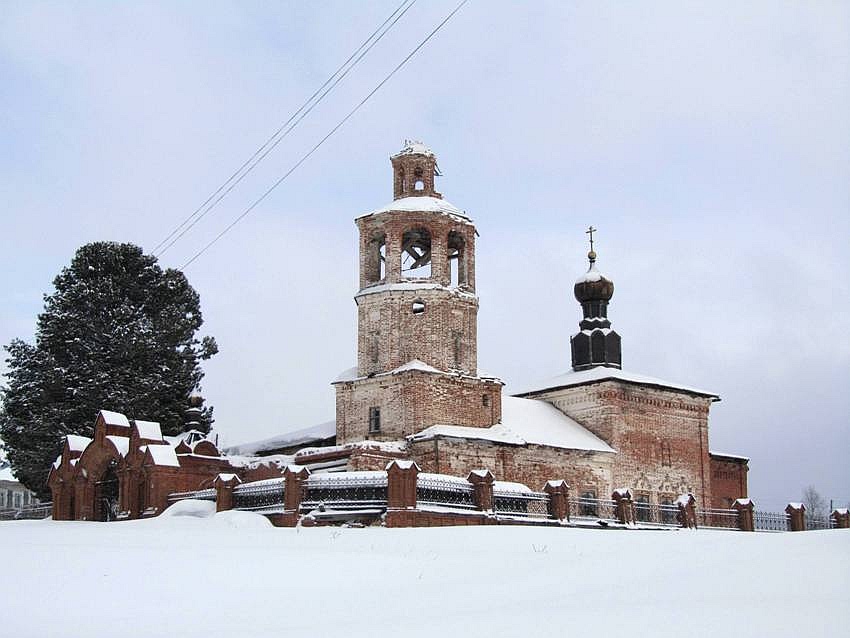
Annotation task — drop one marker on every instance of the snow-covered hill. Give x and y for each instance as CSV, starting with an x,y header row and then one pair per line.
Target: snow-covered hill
x,y
232,574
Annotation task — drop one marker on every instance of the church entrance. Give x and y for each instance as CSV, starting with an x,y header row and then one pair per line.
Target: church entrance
x,y
106,495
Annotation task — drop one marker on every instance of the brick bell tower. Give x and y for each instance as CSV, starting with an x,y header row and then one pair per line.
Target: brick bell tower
x,y
417,315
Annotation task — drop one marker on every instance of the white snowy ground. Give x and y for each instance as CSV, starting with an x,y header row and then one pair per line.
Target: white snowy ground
x,y
234,575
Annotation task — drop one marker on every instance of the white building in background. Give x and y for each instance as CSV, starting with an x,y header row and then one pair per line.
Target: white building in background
x,y
13,495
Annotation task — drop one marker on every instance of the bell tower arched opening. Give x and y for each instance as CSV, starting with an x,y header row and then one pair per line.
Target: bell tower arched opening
x,y
457,259
416,253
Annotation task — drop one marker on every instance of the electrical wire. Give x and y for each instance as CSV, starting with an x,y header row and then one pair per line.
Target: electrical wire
x,y
276,138
326,137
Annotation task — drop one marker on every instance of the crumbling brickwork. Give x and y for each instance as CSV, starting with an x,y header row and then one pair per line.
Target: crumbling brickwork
x,y
412,400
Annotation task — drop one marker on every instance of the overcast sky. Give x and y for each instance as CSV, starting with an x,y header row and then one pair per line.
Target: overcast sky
x,y
707,143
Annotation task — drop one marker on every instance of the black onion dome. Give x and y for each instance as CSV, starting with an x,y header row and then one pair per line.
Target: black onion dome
x,y
593,285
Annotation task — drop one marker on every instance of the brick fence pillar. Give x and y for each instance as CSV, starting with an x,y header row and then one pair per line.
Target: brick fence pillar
x,y
224,485
293,491
401,484
744,507
687,515
624,509
796,517
482,484
559,499
841,517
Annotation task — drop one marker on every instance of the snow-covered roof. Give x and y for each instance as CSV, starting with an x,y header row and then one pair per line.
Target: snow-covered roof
x,y
121,443
77,443
163,455
525,421
414,364
422,204
603,373
413,285
149,430
729,456
317,432
114,418
497,434
541,423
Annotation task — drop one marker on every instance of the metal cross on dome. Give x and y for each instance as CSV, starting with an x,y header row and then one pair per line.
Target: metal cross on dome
x,y
590,230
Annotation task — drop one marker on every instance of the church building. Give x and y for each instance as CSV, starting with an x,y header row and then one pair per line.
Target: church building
x,y
416,392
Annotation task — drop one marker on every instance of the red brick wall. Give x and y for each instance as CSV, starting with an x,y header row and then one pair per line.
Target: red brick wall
x,y
728,480
661,435
413,400
531,465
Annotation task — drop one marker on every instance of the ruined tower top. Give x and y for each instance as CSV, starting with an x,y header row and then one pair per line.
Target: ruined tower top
x,y
414,169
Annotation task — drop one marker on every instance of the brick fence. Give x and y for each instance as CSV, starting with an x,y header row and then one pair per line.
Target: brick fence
x,y
404,496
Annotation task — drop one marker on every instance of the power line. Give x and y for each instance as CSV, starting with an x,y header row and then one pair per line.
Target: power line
x,y
326,137
276,138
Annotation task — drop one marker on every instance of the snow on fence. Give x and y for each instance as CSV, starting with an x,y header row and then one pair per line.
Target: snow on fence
x,y
345,496
349,490
260,496
444,491
197,495
29,512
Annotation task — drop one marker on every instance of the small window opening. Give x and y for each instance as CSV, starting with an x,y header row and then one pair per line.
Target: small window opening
x,y
665,454
457,349
419,185
418,307
374,420
485,400
376,258
416,254
588,504
642,508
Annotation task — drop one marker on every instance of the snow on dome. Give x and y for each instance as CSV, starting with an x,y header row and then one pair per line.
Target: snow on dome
x,y
148,430
422,204
121,443
414,147
592,274
114,418
163,455
77,443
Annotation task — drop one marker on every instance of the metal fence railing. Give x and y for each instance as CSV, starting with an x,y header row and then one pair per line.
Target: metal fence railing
x,y
524,504
37,511
718,518
444,491
591,508
197,495
770,521
349,490
258,496
654,514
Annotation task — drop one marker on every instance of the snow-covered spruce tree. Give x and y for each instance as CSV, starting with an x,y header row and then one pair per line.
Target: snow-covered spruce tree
x,y
118,333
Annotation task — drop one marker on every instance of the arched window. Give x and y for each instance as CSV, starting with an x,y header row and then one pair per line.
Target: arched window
x,y
416,254
457,259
